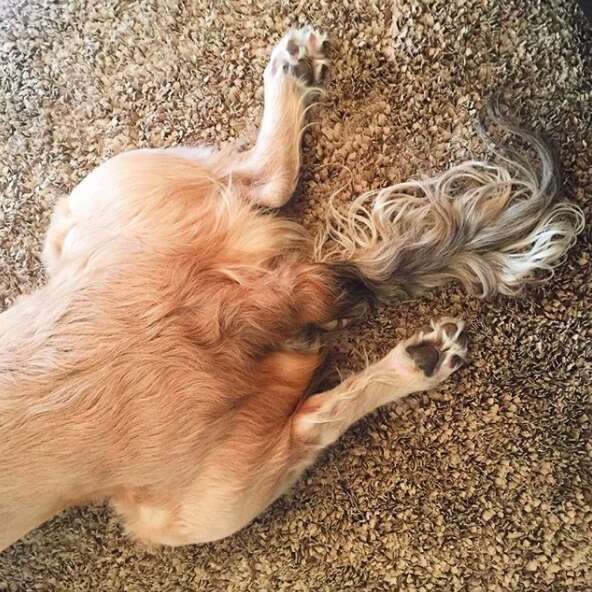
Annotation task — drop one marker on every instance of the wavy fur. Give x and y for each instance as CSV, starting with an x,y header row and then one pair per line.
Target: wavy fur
x,y
490,225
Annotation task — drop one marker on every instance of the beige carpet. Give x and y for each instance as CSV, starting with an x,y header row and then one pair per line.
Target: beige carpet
x,y
487,484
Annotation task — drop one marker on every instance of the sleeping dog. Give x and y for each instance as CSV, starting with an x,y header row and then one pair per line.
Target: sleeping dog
x,y
166,365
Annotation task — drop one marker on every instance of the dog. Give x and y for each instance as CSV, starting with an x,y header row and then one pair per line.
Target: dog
x,y
167,363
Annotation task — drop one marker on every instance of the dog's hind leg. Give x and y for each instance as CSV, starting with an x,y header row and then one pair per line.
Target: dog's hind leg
x,y
419,363
298,65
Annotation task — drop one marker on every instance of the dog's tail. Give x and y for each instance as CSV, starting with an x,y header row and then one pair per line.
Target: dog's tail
x,y
492,226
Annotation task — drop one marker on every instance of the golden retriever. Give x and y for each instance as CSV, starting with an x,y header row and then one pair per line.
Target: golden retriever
x,y
166,364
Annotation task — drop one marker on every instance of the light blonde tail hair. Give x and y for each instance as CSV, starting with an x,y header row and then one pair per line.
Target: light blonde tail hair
x,y
490,225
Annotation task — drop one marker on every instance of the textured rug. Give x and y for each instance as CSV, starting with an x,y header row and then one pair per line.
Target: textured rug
x,y
485,485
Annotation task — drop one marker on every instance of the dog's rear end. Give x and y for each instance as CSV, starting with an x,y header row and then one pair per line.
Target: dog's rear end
x,y
166,362
157,345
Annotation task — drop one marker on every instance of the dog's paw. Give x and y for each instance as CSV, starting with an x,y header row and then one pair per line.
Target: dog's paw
x,y
439,348
301,54
432,354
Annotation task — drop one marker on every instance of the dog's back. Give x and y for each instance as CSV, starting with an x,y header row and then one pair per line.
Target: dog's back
x,y
152,346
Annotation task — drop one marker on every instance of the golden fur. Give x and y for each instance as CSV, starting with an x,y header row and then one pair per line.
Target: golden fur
x,y
165,364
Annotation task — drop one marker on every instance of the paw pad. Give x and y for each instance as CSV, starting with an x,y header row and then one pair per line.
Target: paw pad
x,y
301,54
439,349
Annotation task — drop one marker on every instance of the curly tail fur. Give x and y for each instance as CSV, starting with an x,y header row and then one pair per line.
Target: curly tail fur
x,y
492,226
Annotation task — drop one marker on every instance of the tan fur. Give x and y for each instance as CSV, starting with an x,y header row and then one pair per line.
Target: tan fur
x,y
157,367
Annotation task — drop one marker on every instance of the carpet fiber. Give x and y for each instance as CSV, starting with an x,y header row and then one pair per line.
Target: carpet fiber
x,y
484,485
